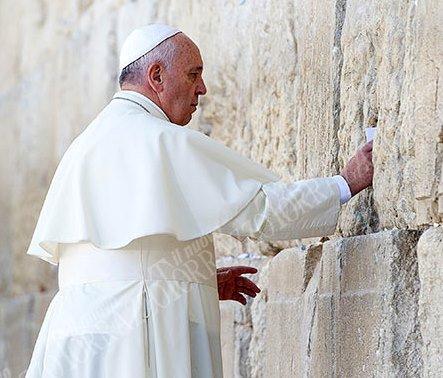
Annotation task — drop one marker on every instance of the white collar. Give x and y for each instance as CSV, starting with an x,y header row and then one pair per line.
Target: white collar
x,y
150,106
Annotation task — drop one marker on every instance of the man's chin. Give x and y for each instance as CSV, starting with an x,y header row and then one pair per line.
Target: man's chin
x,y
183,121
186,121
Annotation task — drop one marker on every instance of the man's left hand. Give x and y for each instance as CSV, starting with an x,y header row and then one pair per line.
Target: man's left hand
x,y
231,285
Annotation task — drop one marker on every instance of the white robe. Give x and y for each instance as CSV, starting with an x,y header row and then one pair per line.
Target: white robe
x,y
149,308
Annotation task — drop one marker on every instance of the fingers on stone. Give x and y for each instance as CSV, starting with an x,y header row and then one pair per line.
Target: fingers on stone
x,y
244,269
247,283
239,298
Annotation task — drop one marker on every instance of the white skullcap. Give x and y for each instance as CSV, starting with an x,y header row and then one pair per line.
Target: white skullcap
x,y
143,40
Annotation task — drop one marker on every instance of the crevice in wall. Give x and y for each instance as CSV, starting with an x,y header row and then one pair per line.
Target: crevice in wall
x,y
337,57
406,335
311,324
313,257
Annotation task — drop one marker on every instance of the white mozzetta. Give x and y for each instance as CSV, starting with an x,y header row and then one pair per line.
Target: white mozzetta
x,y
132,173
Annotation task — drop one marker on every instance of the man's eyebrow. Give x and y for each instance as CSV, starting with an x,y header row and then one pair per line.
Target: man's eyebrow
x,y
198,68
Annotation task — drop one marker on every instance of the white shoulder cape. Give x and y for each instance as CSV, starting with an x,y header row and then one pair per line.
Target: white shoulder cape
x,y
131,173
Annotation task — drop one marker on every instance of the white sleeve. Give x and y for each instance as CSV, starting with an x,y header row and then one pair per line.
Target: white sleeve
x,y
286,211
250,220
345,190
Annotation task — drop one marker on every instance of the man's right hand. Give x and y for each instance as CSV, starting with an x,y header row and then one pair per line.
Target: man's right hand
x,y
359,171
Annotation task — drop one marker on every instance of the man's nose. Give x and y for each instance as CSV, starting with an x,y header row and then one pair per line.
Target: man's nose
x,y
201,88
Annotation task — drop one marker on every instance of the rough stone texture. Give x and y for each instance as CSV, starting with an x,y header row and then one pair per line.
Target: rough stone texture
x,y
354,312
392,57
291,85
430,250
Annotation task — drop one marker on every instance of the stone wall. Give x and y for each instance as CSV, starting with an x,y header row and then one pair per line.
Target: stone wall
x,y
292,85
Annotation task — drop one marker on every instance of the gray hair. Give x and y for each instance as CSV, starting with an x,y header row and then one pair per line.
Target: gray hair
x,y
164,53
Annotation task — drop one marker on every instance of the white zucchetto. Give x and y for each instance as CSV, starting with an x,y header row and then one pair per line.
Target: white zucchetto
x,y
142,40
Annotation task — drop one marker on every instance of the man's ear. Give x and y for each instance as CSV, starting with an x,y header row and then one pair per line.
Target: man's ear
x,y
155,77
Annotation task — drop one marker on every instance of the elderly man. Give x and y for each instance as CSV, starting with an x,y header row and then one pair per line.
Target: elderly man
x,y
129,216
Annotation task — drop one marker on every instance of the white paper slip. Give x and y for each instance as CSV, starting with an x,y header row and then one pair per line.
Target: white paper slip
x,y
370,133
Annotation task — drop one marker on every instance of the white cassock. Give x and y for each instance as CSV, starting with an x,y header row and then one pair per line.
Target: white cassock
x,y
129,218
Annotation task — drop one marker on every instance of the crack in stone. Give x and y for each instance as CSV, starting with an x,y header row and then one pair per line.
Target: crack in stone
x,y
311,325
340,15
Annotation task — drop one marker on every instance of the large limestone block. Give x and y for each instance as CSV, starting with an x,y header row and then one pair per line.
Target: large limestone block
x,y
97,57
375,291
317,29
42,28
423,108
257,346
291,311
392,57
354,312
430,266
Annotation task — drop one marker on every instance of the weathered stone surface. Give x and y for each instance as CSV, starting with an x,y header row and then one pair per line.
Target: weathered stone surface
x,y
356,315
287,326
430,266
392,59
257,346
376,304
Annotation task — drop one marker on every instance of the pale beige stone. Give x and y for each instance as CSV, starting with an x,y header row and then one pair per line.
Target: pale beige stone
x,y
376,304
257,346
291,311
430,265
354,312
392,57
